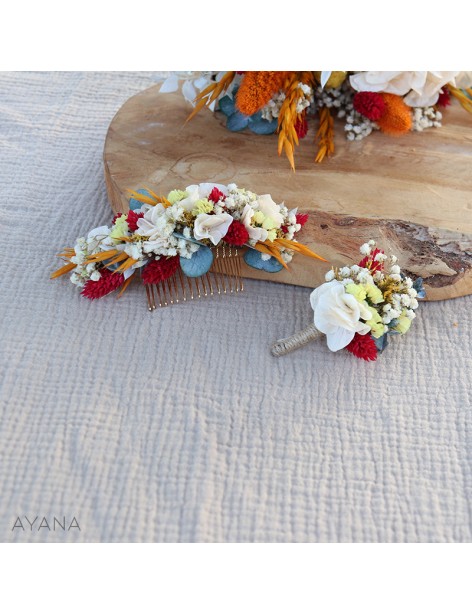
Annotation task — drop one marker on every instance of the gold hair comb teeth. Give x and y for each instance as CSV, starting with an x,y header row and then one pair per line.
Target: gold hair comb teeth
x,y
224,277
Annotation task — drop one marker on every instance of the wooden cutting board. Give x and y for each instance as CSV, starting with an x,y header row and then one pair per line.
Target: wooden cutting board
x,y
412,194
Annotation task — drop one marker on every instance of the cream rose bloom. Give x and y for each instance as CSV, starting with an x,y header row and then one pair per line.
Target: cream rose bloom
x,y
337,314
422,88
213,227
197,192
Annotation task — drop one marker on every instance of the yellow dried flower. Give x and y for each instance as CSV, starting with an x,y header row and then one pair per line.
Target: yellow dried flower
x,y
176,195
374,294
202,206
404,323
357,291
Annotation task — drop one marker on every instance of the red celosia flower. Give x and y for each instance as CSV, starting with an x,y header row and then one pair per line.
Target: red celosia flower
x,y
302,218
369,104
444,99
216,195
301,127
107,283
132,220
237,234
158,270
369,262
363,346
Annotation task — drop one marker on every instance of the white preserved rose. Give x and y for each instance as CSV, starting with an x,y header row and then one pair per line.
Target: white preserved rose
x,y
420,88
337,314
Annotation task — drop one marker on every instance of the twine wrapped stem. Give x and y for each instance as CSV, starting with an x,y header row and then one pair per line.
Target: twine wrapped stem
x,y
295,341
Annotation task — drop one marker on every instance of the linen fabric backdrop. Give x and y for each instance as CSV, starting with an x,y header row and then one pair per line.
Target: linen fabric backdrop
x,y
178,425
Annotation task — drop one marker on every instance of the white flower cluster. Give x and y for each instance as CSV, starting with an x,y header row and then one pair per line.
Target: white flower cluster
x,y
307,99
262,217
357,126
426,117
403,302
334,98
157,228
394,307
272,109
86,246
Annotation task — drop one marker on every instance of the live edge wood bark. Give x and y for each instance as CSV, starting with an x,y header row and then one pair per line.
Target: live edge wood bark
x,y
412,194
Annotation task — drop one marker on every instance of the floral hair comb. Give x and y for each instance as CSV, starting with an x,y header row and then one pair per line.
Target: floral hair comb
x,y
174,243
360,307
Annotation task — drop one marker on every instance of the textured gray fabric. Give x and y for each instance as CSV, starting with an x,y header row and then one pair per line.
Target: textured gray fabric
x,y
180,425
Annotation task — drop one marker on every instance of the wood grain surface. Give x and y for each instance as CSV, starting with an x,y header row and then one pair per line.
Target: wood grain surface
x,y
412,194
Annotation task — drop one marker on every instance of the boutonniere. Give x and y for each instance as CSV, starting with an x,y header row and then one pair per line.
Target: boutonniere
x,y
360,307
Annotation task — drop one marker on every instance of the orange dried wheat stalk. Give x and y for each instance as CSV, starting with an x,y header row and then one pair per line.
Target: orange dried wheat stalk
x,y
325,135
288,115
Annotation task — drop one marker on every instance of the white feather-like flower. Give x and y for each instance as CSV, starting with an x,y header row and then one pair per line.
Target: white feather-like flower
x,y
420,88
213,227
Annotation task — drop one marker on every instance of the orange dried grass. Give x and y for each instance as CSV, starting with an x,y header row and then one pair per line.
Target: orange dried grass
x,y
288,115
325,135
270,250
153,199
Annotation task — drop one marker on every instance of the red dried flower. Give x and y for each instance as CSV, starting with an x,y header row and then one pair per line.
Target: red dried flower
x,y
107,283
369,104
444,99
132,219
237,234
158,270
363,346
301,127
216,195
369,261
302,218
